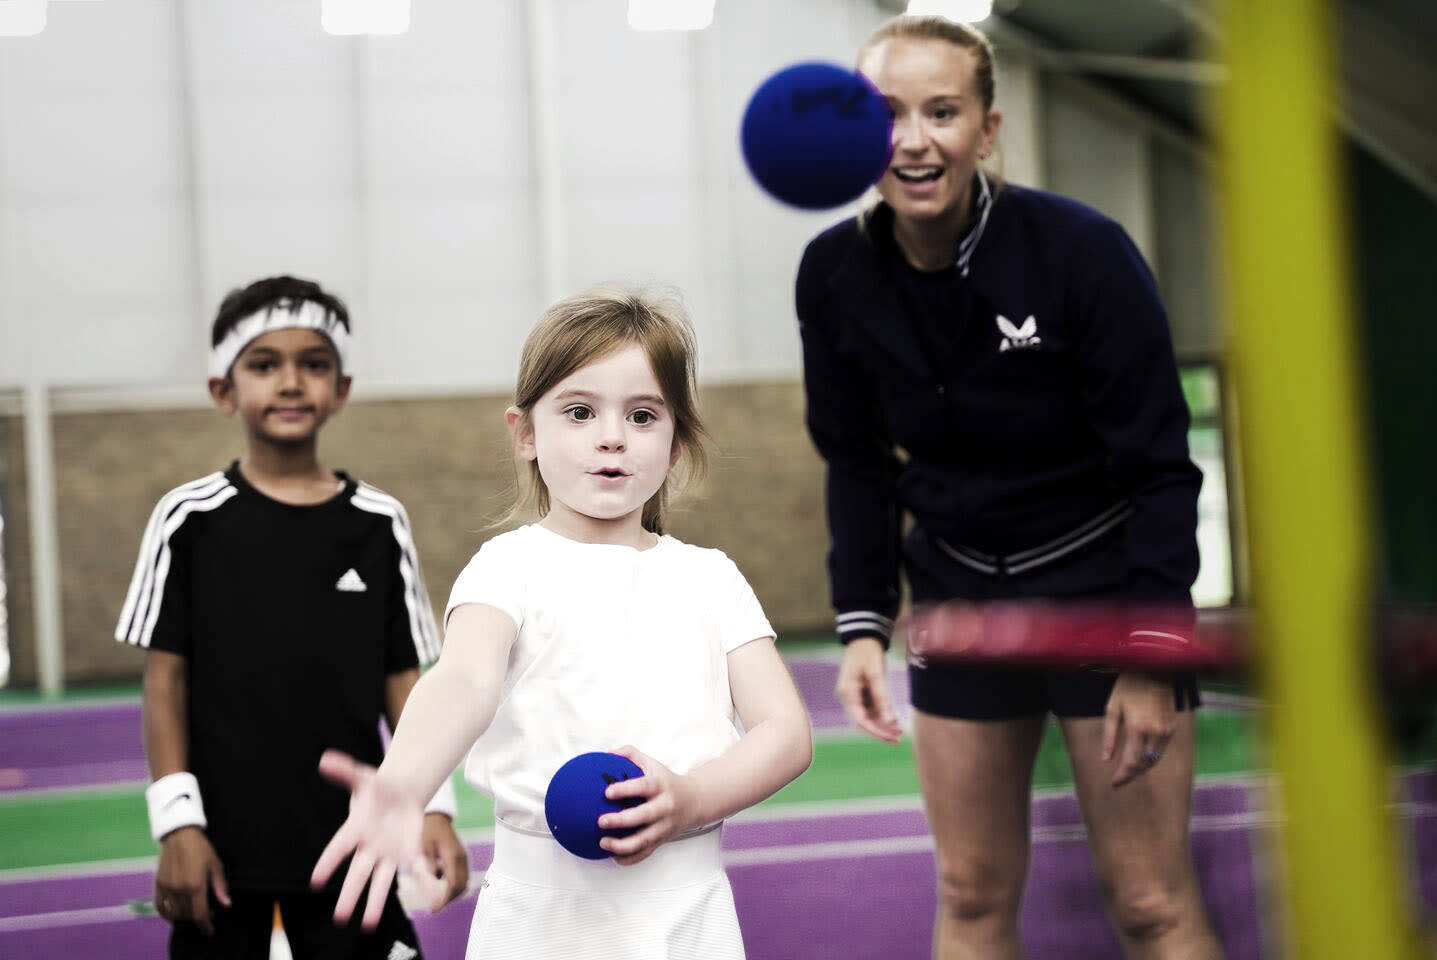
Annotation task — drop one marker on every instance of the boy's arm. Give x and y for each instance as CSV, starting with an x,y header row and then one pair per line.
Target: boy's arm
x,y
166,694
448,709
188,865
442,846
776,747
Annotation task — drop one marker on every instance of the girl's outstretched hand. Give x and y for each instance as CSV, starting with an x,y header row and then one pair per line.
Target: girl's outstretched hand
x,y
667,809
383,832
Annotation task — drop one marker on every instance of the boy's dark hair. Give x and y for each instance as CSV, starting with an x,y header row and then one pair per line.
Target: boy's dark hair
x,y
282,291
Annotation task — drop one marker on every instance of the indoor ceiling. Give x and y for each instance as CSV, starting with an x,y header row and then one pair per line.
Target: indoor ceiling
x,y
1164,56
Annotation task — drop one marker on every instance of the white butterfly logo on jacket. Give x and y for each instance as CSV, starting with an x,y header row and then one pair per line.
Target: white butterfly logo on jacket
x,y
1019,337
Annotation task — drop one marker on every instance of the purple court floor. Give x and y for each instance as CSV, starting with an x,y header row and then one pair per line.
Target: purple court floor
x,y
816,880
850,883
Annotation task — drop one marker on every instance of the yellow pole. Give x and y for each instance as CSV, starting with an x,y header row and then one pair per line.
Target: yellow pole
x,y
1293,358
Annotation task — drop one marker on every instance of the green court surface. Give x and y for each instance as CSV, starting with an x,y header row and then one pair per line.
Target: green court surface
x,y
108,823
64,826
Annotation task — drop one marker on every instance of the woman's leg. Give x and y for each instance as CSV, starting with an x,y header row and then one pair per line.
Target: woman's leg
x,y
1139,838
976,777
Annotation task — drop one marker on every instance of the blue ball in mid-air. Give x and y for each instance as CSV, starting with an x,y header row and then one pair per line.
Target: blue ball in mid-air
x,y
816,135
575,800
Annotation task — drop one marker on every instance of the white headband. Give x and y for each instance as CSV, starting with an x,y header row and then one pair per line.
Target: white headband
x,y
307,315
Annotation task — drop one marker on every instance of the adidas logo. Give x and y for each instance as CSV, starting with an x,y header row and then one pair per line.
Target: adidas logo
x,y
401,951
1017,338
350,582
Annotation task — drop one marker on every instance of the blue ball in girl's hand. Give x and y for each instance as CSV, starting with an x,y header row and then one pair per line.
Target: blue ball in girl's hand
x,y
816,135
575,800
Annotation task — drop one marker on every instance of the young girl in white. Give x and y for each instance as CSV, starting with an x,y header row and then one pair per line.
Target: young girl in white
x,y
591,630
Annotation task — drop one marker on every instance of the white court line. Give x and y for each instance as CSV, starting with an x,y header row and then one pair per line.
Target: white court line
x,y
62,706
842,849
811,809
766,813
900,802
65,871
64,918
26,794
756,856
831,850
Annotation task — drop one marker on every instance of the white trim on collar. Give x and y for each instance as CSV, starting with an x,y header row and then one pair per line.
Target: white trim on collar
x,y
970,243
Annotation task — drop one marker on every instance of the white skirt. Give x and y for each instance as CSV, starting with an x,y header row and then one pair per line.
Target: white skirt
x,y
539,902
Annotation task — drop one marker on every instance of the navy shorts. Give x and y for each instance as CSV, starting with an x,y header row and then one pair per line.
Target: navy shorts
x,y
1095,572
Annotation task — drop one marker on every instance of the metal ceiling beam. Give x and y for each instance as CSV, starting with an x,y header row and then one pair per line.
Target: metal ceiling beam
x,y
1136,67
1382,71
1386,96
1005,33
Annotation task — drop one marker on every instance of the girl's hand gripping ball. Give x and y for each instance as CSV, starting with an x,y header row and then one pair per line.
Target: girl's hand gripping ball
x,y
575,800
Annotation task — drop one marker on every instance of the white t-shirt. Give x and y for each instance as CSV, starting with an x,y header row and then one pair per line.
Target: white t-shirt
x,y
615,646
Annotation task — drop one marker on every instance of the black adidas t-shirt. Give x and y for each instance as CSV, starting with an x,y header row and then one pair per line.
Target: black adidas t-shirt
x,y
291,618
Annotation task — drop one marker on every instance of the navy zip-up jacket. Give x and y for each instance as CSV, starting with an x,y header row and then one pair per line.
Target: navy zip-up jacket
x,y
1053,400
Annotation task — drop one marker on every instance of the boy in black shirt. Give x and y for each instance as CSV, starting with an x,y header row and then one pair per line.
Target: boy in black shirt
x,y
283,611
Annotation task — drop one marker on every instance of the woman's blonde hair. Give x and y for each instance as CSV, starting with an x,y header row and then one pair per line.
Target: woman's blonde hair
x,y
589,326
962,35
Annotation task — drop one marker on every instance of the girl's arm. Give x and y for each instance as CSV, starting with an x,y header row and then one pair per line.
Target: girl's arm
x,y
443,849
777,747
449,707
452,704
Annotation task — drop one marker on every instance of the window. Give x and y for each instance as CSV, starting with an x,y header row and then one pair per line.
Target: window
x,y
1202,386
4,618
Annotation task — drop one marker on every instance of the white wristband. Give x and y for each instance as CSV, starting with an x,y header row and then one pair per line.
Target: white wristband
x,y
445,801
174,802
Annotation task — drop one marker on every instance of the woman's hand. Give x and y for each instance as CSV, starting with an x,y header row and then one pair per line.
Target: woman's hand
x,y
383,831
862,688
668,809
1140,720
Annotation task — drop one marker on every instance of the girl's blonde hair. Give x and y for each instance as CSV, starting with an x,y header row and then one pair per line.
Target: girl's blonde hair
x,y
589,326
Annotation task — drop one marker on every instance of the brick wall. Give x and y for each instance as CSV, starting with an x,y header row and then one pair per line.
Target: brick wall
x,y
447,459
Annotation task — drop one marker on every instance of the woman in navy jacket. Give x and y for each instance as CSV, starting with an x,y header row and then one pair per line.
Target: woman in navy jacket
x,y
994,363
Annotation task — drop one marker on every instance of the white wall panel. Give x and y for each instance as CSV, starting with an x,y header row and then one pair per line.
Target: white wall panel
x,y
96,267
1186,247
1101,159
1019,98
274,122
156,153
632,184
450,273
763,239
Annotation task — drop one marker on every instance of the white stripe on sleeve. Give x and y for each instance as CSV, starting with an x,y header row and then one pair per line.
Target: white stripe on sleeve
x,y
147,586
416,597
867,622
